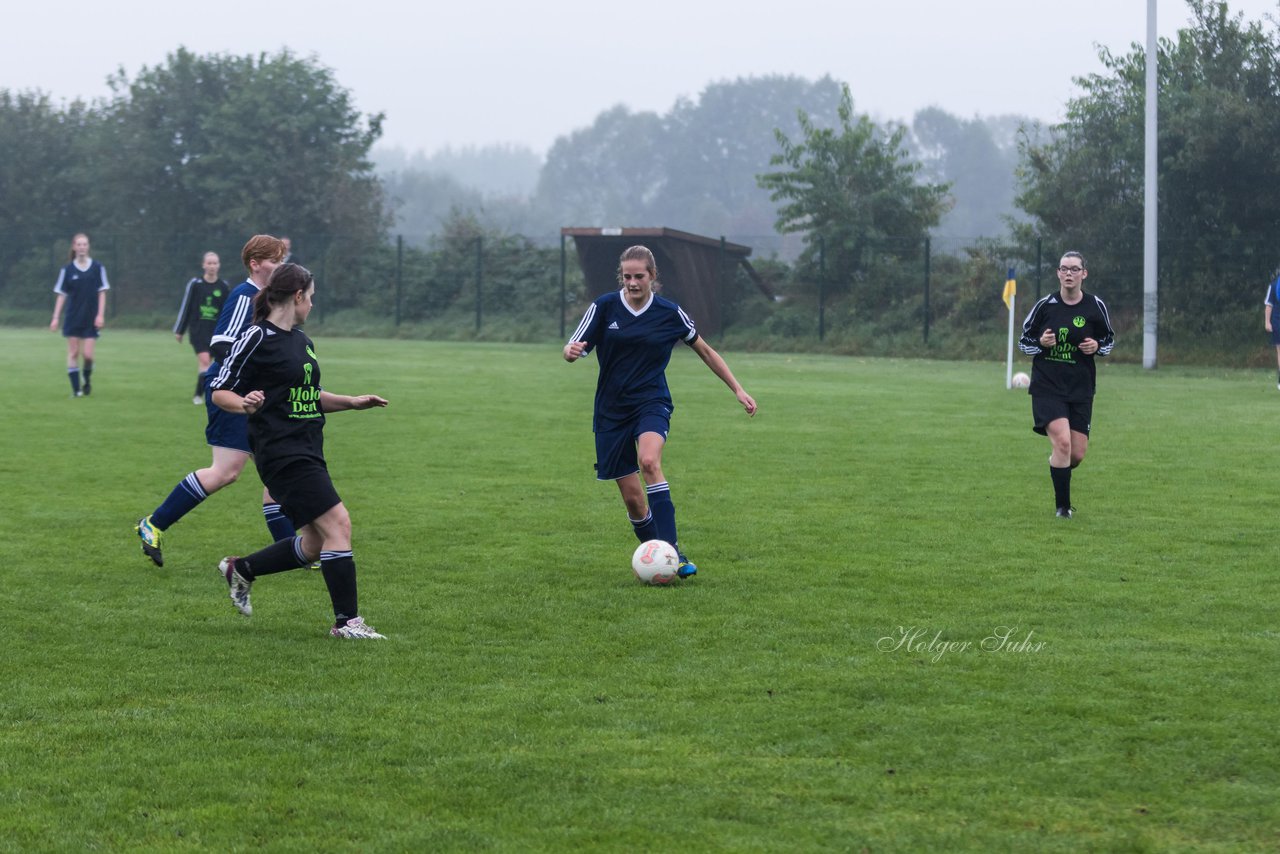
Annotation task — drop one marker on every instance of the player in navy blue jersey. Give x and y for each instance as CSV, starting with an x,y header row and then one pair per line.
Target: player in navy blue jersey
x,y
1065,332
226,433
633,331
198,315
1271,319
272,376
82,293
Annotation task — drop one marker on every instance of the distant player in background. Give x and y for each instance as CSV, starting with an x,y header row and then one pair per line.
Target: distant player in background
x,y
1272,322
198,315
633,331
272,376
226,433
289,256
1064,332
82,294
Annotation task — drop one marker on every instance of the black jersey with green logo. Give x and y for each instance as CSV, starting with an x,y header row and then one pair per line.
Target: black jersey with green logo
x,y
282,364
1062,371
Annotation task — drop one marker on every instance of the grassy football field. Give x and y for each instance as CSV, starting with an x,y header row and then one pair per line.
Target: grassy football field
x,y
891,645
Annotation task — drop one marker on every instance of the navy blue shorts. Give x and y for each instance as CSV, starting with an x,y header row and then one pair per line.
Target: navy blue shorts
x,y
303,489
1046,409
616,447
89,331
225,429
1275,330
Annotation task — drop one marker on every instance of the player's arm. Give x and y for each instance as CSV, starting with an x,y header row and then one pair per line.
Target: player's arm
x,y
101,319
717,364
1030,343
57,311
229,401
237,315
584,337
184,311
236,375
1108,338
341,402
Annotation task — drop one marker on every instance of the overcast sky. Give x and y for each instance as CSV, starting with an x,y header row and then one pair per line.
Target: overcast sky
x,y
478,72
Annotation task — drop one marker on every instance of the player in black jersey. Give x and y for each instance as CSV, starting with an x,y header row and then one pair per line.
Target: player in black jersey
x,y
198,315
272,376
1064,332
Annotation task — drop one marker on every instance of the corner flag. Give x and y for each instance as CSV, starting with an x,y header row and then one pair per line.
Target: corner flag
x,y
1010,290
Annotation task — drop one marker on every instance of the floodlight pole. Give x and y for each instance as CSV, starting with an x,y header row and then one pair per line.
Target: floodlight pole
x,y
1150,301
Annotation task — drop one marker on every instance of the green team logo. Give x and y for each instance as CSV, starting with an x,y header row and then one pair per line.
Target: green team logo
x,y
304,400
1077,322
1063,333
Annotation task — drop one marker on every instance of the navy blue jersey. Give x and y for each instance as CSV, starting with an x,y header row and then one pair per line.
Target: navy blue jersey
x,y
1273,299
201,304
80,287
633,348
236,315
282,364
1063,371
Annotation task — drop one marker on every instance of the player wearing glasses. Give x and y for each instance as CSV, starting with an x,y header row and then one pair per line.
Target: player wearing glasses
x,y
1064,332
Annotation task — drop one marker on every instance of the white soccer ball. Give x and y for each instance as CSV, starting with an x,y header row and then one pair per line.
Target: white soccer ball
x,y
655,562
1021,380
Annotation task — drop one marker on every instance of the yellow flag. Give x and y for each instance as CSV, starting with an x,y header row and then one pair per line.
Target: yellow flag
x,y
1010,288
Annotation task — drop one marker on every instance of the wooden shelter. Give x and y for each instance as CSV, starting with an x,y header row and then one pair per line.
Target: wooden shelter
x,y
692,269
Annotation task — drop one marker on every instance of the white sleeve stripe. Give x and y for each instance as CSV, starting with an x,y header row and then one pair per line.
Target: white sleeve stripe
x,y
238,357
688,322
57,287
106,286
583,324
238,313
182,309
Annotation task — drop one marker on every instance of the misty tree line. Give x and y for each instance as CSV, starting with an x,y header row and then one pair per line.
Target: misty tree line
x,y
847,214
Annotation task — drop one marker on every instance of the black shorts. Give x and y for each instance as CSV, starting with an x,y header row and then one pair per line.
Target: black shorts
x,y
200,336
303,490
1046,409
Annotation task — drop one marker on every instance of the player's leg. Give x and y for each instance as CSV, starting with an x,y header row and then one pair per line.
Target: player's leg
x,y
1273,337
73,365
280,526
616,461
1059,432
203,361
1079,447
193,489
86,349
339,567
649,447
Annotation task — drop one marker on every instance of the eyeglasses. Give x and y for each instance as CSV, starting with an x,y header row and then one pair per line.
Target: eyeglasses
x,y
1065,269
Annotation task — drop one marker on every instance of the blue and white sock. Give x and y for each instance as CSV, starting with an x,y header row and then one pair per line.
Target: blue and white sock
x,y
280,526
663,511
645,528
186,496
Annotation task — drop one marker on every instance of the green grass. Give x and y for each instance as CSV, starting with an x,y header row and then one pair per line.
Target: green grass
x,y
533,696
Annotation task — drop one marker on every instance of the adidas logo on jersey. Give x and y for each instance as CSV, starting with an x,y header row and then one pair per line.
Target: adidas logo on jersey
x,y
613,325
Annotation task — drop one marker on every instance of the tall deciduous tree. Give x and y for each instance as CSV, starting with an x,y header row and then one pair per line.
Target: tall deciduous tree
x,y
852,190
233,145
1219,170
